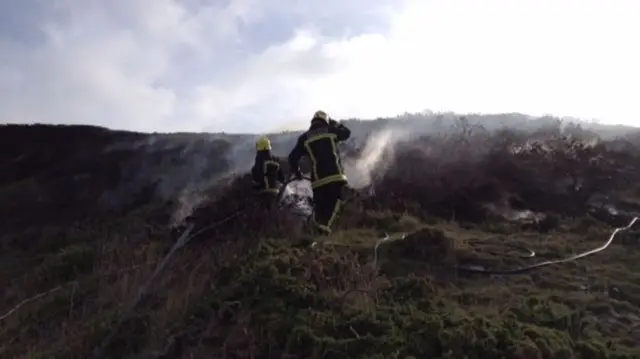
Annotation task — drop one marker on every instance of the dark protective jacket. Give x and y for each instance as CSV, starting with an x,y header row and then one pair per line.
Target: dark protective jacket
x,y
320,144
267,173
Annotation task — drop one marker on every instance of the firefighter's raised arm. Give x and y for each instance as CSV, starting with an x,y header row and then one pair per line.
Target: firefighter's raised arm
x,y
341,131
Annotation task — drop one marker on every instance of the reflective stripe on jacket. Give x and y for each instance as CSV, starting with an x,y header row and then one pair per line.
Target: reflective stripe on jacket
x,y
267,173
320,144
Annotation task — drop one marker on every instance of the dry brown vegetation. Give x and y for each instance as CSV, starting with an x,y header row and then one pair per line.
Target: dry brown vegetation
x,y
250,287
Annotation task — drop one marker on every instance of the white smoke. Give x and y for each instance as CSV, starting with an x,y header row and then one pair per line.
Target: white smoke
x,y
377,146
181,167
184,168
193,192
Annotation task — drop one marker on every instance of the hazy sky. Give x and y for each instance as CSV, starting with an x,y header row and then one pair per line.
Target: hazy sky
x,y
257,65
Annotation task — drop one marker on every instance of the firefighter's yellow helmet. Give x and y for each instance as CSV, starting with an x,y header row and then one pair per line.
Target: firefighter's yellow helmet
x,y
320,115
263,144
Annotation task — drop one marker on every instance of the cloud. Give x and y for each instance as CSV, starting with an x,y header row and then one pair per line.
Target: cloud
x,y
253,66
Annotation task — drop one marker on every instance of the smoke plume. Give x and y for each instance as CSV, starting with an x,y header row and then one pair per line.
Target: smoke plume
x,y
370,161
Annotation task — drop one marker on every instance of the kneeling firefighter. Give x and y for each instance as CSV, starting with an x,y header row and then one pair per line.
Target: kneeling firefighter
x,y
266,172
328,181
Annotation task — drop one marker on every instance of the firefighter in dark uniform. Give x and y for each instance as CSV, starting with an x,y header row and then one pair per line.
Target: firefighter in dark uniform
x,y
266,173
328,181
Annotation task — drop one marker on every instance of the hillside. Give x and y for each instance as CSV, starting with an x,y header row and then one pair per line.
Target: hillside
x,y
89,215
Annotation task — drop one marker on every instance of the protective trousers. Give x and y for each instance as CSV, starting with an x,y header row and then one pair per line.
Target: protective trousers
x,y
327,201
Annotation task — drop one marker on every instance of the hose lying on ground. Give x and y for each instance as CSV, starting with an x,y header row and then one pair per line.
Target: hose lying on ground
x,y
187,236
98,352
528,268
480,270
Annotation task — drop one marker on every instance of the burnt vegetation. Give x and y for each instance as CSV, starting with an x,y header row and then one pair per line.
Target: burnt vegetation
x,y
87,215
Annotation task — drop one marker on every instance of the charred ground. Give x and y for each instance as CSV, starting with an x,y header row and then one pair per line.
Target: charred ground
x,y
85,222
